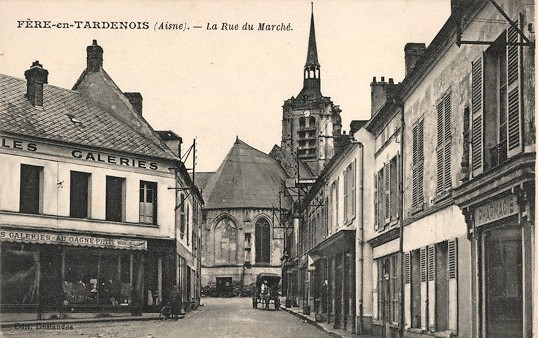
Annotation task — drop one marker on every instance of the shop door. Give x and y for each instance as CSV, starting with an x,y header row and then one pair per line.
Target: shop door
x,y
338,311
384,294
503,283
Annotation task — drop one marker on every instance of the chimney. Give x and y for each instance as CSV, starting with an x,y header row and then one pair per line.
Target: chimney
x,y
36,76
94,57
136,101
381,91
413,52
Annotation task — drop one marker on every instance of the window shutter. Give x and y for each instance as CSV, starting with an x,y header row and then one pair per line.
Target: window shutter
x,y
431,263
514,107
376,205
448,136
453,285
423,271
452,259
423,287
407,267
386,173
418,163
440,148
477,123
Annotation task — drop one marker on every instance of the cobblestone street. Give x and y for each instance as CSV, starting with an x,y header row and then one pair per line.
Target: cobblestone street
x,y
219,317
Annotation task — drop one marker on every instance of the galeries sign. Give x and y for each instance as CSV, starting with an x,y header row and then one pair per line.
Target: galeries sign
x,y
71,239
496,210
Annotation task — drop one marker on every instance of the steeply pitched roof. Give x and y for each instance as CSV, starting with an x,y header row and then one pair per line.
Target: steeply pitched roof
x,y
88,126
247,178
312,53
201,179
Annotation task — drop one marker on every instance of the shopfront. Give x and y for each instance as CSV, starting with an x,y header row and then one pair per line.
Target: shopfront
x,y
43,270
501,231
333,283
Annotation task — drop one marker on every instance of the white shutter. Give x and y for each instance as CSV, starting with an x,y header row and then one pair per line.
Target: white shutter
x,y
431,287
423,287
407,289
453,285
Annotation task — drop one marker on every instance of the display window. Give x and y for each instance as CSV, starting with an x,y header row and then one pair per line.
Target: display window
x,y
97,277
20,273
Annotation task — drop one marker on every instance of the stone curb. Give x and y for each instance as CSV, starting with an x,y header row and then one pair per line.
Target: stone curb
x,y
313,322
77,321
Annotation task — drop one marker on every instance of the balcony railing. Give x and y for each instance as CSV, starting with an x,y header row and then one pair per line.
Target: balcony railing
x,y
498,154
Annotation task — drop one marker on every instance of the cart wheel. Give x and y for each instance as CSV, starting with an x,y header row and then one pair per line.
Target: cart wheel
x,y
165,313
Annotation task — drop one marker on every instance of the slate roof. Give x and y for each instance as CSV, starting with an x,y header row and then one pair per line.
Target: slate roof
x,y
97,128
247,178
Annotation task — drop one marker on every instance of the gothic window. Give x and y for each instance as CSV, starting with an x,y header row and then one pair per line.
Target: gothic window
x,y
225,242
263,241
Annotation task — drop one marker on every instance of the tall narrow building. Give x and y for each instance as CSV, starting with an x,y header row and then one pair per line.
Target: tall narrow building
x,y
311,121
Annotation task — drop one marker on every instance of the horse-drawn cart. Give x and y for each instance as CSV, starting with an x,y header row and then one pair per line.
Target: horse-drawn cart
x,y
271,280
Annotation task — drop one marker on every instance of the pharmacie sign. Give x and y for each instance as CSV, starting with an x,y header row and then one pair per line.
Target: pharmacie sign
x,y
496,210
71,239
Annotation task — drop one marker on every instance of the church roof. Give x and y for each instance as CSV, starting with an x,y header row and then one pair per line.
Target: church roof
x,y
247,178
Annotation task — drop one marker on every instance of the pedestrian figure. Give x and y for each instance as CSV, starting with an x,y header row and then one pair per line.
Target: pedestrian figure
x,y
175,302
264,295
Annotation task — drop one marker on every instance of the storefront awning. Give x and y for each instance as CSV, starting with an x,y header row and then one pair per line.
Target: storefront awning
x,y
44,237
341,241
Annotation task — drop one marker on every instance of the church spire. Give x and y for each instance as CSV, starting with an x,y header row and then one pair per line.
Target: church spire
x,y
312,54
311,72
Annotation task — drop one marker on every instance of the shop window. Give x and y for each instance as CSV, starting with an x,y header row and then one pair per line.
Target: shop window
x,y
496,107
148,202
444,139
225,242
79,194
115,199
263,241
97,277
31,189
20,273
388,269
503,282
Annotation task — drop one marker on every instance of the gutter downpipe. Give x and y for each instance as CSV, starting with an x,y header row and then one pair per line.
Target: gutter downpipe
x,y
361,241
400,104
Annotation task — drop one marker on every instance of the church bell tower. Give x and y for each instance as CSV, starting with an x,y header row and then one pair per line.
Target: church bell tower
x,y
311,121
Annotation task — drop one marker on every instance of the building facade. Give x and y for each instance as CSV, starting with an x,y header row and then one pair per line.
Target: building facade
x,y
87,205
441,260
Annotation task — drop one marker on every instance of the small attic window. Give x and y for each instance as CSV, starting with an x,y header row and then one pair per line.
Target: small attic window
x,y
73,119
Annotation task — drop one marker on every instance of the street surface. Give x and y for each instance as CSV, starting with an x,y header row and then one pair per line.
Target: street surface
x,y
219,317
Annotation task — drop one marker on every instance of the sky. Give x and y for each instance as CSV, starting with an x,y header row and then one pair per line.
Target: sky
x,y
216,85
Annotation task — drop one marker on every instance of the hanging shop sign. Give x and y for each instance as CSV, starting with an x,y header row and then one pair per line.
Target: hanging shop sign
x,y
496,210
71,239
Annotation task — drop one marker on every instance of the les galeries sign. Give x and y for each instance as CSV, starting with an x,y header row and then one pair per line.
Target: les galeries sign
x,y
8,143
40,237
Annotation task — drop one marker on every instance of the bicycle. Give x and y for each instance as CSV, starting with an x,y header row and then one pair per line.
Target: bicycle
x,y
165,313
